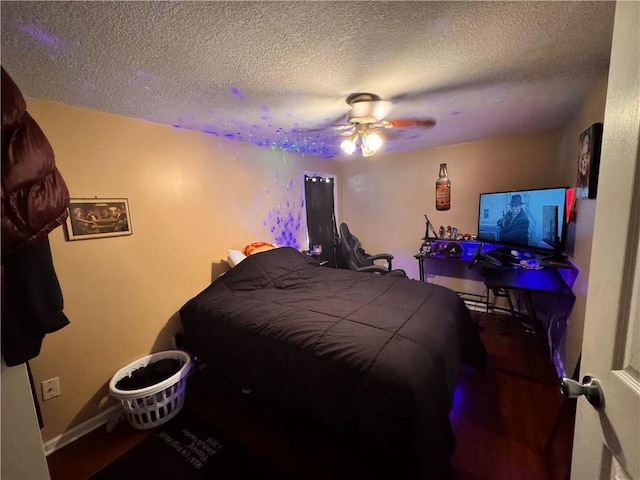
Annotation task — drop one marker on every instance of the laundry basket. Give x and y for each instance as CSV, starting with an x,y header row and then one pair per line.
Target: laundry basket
x,y
157,404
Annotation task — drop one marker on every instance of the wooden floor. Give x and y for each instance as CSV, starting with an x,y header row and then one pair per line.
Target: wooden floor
x,y
510,422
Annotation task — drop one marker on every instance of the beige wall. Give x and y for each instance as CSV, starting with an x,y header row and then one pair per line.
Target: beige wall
x,y
385,198
590,112
192,196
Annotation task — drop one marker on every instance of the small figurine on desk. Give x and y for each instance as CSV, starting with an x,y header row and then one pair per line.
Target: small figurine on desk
x,y
441,233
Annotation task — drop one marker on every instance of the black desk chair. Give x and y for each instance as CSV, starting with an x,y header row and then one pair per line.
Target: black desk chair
x,y
355,258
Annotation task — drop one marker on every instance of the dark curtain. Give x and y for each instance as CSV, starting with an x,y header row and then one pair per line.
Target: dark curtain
x,y
321,218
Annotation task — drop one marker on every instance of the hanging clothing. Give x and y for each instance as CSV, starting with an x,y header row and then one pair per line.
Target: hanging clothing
x,y
34,202
31,302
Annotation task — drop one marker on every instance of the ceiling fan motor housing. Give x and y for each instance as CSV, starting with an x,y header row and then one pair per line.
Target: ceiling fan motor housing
x,y
367,108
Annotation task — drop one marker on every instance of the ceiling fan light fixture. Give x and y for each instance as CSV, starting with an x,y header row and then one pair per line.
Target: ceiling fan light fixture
x,y
366,152
368,140
373,141
349,145
370,143
366,137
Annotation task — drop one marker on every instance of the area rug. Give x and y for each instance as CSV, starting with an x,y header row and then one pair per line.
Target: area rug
x,y
187,448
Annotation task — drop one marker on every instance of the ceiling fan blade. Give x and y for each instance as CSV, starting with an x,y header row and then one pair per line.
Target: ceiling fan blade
x,y
412,122
337,128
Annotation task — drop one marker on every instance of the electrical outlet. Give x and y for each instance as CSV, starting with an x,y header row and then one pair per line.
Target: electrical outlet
x,y
50,388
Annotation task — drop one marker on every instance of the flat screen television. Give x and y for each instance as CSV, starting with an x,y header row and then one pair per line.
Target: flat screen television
x,y
529,219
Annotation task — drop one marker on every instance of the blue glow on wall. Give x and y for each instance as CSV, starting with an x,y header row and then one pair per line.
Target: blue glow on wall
x,y
285,219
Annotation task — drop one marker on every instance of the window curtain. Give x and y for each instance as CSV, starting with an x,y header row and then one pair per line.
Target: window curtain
x,y
321,218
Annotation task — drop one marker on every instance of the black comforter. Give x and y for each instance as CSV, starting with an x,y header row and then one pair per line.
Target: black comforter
x,y
373,355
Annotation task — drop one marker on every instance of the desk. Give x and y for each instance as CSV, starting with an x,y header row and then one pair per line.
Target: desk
x,y
546,280
545,294
531,284
468,249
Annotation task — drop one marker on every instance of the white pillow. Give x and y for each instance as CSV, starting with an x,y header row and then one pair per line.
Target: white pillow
x,y
234,257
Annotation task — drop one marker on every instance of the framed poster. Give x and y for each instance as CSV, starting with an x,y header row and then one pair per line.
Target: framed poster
x,y
98,218
589,161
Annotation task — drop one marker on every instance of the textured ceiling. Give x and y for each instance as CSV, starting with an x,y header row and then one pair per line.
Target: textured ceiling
x,y
278,73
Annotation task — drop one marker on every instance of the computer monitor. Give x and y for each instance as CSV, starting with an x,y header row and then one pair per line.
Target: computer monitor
x,y
530,219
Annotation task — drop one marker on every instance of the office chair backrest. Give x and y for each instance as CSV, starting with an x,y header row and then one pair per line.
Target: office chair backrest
x,y
355,258
352,252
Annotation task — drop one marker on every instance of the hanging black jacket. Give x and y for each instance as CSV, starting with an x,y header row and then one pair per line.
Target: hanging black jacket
x,y
34,202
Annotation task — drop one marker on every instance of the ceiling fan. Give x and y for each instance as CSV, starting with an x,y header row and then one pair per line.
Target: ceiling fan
x,y
366,121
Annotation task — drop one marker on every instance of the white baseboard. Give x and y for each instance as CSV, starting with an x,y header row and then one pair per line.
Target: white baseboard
x,y
110,415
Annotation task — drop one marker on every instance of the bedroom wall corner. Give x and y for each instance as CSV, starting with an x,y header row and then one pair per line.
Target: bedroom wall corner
x,y
192,196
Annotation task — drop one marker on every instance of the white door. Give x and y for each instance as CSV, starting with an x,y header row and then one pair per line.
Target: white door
x,y
22,454
607,439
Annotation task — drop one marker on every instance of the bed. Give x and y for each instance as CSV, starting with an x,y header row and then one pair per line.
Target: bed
x,y
376,356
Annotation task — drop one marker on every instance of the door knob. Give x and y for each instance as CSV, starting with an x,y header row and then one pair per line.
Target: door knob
x,y
590,388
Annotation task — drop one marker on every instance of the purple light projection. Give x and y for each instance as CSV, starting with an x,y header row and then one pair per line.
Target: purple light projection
x,y
237,93
323,144
284,219
266,114
45,38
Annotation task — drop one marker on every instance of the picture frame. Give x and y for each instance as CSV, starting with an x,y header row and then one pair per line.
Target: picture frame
x,y
589,161
91,218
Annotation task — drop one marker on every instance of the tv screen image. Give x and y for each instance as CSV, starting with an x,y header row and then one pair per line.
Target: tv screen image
x,y
532,219
550,226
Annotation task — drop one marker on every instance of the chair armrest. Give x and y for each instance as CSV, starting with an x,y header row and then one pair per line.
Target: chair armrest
x,y
372,269
382,256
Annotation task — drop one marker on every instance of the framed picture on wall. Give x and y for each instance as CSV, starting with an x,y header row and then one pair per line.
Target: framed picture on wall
x,y
98,218
589,161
